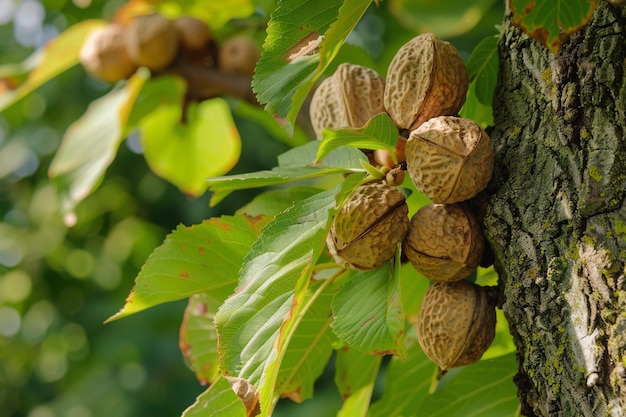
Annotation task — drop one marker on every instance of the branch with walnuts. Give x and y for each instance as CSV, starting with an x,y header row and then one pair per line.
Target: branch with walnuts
x,y
182,47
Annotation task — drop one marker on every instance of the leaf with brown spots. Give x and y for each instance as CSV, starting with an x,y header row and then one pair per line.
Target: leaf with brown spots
x,y
201,258
257,323
56,57
198,337
551,21
270,293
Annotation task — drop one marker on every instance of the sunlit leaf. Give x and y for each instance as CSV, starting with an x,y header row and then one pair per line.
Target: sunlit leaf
x,y
302,39
445,18
201,258
264,119
551,21
188,152
221,187
306,155
216,13
57,56
198,337
90,144
355,376
485,388
165,90
272,202
408,382
257,322
379,133
293,165
249,322
368,312
482,69
310,346
218,401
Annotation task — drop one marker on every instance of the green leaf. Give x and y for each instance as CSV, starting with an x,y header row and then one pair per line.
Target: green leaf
x,y
292,167
157,91
272,202
188,152
90,144
306,155
57,56
414,286
503,342
355,376
285,74
445,18
264,119
408,383
485,388
379,133
482,68
201,258
368,312
473,109
256,324
250,320
215,13
218,401
310,345
551,21
223,186
198,337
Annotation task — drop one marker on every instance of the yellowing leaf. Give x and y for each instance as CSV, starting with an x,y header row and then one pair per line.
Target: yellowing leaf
x,y
90,144
216,13
58,55
198,337
187,153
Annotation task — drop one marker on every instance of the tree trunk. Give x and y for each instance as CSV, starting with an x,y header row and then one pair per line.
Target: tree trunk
x,y
557,218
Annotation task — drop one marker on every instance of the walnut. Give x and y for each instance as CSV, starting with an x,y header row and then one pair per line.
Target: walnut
x,y
349,98
194,34
239,55
456,323
104,55
449,159
445,242
152,41
369,226
426,78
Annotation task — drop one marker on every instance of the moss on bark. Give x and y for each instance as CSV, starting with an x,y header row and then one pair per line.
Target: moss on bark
x,y
556,220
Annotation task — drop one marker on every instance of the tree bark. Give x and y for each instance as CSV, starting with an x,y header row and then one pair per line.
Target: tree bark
x,y
556,220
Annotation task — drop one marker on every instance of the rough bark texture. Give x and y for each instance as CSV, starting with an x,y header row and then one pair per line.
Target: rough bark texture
x,y
557,217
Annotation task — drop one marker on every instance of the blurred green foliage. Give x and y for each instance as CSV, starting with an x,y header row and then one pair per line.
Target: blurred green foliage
x,y
58,284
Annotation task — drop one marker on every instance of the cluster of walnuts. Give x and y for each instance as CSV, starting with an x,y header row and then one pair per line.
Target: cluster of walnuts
x,y
115,51
449,159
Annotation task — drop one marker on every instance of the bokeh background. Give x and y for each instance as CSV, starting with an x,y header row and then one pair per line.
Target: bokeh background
x,y
58,284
